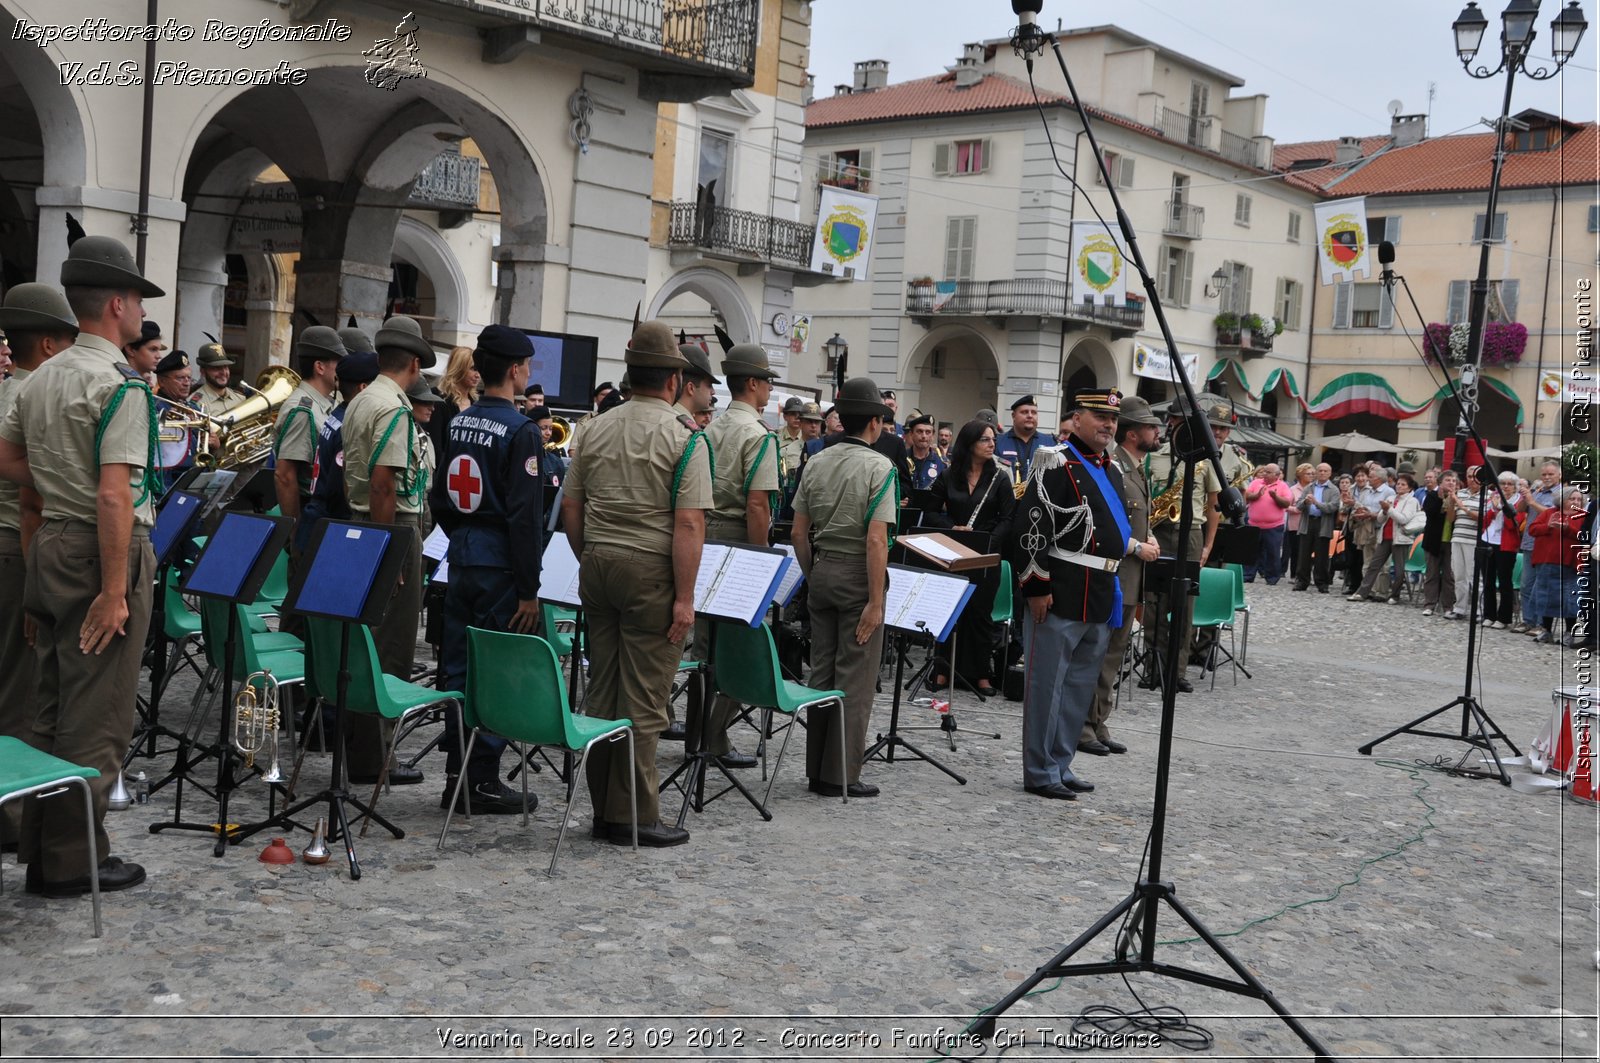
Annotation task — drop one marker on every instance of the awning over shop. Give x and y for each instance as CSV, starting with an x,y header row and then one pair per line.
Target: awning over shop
x,y
1499,385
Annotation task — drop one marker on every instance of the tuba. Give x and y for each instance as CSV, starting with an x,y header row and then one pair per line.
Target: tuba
x,y
560,434
244,433
255,722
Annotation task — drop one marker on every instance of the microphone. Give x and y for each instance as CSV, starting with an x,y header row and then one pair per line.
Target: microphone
x,y
1386,260
1026,40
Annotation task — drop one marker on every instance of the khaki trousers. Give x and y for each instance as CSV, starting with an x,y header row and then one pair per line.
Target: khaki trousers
x,y
396,640
1167,538
627,606
837,597
16,663
85,702
1105,694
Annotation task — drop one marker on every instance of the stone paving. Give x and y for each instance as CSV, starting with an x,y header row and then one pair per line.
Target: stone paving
x,y
822,933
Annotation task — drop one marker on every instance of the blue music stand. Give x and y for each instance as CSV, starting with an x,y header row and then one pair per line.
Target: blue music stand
x,y
175,522
349,574
232,568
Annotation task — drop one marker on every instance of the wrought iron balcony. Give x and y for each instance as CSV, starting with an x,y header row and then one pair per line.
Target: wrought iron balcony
x,y
1183,219
740,234
1241,150
1020,297
449,182
1191,129
718,33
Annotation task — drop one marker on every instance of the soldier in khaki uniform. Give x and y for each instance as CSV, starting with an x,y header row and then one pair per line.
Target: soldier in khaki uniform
x,y
301,416
385,485
38,323
81,434
843,511
792,437
746,459
1162,471
216,396
634,511
1138,433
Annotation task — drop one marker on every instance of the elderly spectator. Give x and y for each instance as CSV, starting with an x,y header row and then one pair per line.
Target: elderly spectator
x,y
1462,511
1269,500
1438,581
1369,517
1319,510
1357,533
1558,545
1405,510
1504,533
1304,473
1532,501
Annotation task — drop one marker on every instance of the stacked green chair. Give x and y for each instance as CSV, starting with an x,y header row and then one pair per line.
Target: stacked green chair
x,y
26,771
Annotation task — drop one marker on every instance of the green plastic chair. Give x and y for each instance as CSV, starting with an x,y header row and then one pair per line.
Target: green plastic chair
x,y
747,671
1214,608
1516,570
25,771
515,690
1417,565
371,690
276,588
1240,605
559,626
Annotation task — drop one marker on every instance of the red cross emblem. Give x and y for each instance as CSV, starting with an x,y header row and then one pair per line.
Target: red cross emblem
x,y
465,484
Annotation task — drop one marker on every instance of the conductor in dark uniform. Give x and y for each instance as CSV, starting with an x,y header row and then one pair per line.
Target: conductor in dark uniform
x,y
1071,535
489,497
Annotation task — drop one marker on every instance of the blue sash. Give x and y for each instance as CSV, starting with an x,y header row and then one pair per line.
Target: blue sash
x,y
1114,503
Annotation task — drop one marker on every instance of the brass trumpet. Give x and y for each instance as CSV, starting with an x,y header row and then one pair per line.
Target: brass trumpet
x,y
244,433
255,722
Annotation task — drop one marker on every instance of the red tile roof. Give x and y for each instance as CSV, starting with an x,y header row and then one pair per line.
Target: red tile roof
x,y
924,98
1464,164
1284,156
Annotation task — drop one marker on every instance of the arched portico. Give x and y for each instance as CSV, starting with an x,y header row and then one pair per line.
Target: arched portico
x,y
957,371
717,289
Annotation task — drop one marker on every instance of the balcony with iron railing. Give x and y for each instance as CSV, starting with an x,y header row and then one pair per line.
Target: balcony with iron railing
x,y
1242,150
449,182
1183,219
741,235
1019,297
1177,125
714,33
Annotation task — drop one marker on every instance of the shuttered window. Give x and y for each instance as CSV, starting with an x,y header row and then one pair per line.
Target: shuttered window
x,y
960,248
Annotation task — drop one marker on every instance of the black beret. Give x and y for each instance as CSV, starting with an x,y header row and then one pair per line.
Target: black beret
x,y
1026,400
148,330
174,361
920,419
502,341
539,413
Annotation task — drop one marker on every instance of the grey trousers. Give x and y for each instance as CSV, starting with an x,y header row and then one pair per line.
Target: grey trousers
x,y
1439,582
1063,667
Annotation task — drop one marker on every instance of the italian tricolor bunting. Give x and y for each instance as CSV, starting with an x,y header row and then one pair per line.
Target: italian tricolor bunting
x,y
1361,393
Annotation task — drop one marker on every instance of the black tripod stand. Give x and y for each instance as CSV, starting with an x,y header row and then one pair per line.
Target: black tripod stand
x,y
1150,893
1477,729
886,744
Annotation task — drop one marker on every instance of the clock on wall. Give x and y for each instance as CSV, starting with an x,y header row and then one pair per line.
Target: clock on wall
x,y
780,324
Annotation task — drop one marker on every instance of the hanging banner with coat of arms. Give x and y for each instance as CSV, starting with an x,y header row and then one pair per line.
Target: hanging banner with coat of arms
x,y
1342,239
843,244
1099,274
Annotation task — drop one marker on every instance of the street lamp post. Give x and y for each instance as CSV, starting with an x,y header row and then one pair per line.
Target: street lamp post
x,y
1516,37
838,354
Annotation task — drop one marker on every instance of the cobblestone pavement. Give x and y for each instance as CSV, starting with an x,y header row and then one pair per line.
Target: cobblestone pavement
x,y
831,927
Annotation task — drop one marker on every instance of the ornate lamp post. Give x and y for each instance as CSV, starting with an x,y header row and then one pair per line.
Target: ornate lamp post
x,y
1516,38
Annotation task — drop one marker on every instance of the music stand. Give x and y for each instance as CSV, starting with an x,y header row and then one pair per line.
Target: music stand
x,y
906,620
231,569
979,544
350,573
175,521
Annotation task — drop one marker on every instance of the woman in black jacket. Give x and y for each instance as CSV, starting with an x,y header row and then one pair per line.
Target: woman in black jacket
x,y
974,494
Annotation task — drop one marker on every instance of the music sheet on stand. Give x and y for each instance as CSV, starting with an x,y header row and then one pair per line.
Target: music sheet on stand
x,y
558,572
737,584
934,599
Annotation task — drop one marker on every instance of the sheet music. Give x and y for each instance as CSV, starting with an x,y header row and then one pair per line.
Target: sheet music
x,y
436,545
927,544
735,583
792,578
441,574
931,598
558,572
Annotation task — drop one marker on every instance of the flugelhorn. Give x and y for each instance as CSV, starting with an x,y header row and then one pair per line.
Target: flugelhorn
x,y
255,722
560,433
245,433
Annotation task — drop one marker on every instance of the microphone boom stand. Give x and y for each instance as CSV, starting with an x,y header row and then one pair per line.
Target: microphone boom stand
x,y
1149,894
1473,714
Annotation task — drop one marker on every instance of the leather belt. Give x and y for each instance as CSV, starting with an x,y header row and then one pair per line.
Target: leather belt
x,y
1093,561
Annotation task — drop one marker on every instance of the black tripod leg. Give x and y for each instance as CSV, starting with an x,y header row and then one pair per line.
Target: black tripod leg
x,y
920,755
336,810
1249,979
984,1028
1406,727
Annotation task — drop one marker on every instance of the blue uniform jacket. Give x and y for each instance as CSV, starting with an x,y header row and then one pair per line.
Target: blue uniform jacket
x,y
489,492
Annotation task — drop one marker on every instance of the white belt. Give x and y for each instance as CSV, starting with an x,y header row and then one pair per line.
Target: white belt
x,y
1102,564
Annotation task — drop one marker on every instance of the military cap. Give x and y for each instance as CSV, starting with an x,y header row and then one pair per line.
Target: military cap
x,y
652,347
531,390
1100,400
212,356
402,333
422,391
811,411
539,413
37,306
918,418
748,359
1136,410
359,367
1026,400
699,362
319,342
356,341
861,396
148,330
502,341
795,404
987,416
102,262
174,361
1220,416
